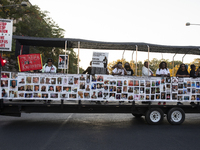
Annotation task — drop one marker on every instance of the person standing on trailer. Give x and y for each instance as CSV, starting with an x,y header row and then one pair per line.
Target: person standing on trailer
x,y
163,71
182,71
105,62
193,73
146,71
89,69
49,67
119,70
128,69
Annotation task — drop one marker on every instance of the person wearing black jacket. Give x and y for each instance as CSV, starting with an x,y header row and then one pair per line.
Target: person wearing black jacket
x,y
128,69
193,73
182,71
88,70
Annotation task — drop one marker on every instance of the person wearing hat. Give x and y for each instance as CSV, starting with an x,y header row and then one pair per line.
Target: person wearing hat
x,y
49,67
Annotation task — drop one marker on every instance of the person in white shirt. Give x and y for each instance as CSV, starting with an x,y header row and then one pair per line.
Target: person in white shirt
x,y
146,71
163,70
49,67
119,70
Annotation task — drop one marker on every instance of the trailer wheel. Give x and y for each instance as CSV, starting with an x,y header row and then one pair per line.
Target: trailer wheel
x,y
176,116
154,116
137,115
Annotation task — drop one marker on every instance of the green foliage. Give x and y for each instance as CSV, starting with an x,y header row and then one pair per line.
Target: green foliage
x,y
154,63
31,21
196,62
132,64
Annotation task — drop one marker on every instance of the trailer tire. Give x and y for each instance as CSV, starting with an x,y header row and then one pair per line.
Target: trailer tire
x,y
176,116
137,115
154,116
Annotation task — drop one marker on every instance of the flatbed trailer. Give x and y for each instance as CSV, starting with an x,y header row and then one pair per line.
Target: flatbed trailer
x,y
153,112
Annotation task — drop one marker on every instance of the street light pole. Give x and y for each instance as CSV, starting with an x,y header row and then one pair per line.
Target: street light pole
x,y
188,24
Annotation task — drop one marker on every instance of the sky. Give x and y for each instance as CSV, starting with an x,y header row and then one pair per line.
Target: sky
x,y
149,21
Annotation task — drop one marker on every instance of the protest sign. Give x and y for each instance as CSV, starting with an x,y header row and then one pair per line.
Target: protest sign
x,y
61,62
29,62
6,27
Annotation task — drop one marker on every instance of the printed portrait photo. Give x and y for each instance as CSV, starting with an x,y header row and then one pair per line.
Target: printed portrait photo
x,y
28,80
29,87
5,75
35,79
21,80
75,81
21,88
42,80
4,83
13,84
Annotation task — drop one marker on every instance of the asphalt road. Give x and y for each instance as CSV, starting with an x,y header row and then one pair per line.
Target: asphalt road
x,y
96,132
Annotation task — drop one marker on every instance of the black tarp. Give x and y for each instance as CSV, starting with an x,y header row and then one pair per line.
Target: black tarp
x,y
87,44
18,47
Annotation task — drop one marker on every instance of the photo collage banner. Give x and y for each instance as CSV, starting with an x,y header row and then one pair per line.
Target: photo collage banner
x,y
30,86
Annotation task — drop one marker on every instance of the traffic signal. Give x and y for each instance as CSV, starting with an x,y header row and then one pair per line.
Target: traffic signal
x,y
3,61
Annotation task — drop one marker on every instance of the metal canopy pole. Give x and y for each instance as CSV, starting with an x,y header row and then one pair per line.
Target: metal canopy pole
x,y
123,55
148,58
68,64
136,60
183,58
184,55
132,58
78,57
173,63
65,57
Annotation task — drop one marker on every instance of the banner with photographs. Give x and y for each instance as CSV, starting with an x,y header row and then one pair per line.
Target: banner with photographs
x,y
30,86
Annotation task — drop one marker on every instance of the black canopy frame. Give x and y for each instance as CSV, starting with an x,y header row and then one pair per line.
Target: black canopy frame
x,y
88,44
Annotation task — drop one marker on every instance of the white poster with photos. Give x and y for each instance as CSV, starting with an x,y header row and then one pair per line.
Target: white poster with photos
x,y
99,59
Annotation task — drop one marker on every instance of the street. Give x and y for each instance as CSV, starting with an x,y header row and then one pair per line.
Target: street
x,y
95,131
